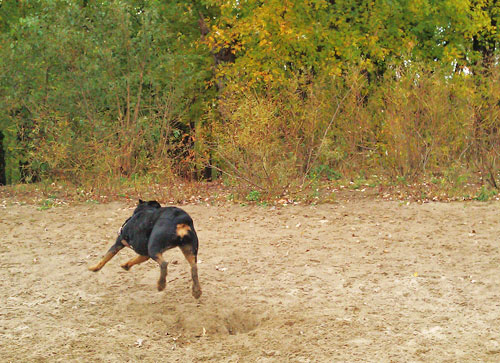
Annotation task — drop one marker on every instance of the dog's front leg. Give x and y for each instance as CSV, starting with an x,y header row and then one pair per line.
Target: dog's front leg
x,y
134,261
109,255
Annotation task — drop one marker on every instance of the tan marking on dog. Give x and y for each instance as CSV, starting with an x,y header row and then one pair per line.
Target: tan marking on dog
x,y
125,243
182,230
108,256
134,261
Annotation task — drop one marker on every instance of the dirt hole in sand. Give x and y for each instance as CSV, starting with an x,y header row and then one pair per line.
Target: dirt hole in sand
x,y
241,322
225,322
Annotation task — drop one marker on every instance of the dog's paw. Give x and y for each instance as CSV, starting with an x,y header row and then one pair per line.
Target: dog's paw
x,y
161,285
196,292
94,268
125,266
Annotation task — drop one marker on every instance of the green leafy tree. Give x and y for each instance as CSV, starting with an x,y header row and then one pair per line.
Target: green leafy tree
x,y
117,78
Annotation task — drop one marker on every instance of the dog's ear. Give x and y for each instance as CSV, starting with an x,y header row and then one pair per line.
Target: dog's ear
x,y
141,201
154,204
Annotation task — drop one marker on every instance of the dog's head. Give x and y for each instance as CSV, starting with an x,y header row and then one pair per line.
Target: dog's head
x,y
142,205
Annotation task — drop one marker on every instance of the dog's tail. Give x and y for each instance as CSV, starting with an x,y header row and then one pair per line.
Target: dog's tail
x,y
182,230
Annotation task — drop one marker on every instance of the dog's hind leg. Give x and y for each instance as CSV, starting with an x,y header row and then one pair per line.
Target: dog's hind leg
x,y
108,256
134,261
187,250
162,281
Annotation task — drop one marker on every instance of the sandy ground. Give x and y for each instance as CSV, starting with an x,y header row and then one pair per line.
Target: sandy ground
x,y
364,280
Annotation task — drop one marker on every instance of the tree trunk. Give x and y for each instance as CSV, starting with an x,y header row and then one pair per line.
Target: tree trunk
x,y
3,180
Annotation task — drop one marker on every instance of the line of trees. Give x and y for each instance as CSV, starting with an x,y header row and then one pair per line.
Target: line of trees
x,y
265,92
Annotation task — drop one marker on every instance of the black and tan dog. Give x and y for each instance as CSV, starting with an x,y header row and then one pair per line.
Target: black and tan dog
x,y
150,231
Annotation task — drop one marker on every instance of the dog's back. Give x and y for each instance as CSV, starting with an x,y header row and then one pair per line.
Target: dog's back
x,y
137,229
172,226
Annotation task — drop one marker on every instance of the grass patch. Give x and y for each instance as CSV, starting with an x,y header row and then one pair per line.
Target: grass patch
x,y
485,194
48,203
